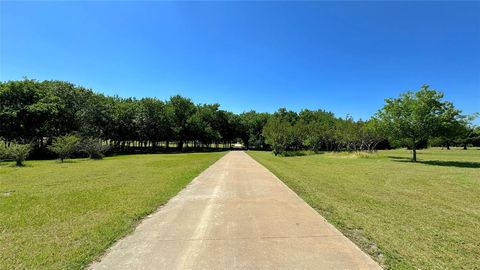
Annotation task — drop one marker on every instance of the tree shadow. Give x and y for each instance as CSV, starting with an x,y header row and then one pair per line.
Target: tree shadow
x,y
67,161
301,153
12,164
445,163
294,154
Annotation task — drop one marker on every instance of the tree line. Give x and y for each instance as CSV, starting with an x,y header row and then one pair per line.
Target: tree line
x,y
42,113
36,112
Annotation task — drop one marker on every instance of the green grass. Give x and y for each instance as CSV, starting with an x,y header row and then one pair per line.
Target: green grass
x,y
62,216
423,215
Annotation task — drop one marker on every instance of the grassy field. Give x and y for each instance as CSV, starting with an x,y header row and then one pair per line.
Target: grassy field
x,y
61,216
406,215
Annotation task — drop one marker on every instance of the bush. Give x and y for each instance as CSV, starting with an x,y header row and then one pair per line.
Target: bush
x,y
3,152
65,146
279,134
94,148
17,152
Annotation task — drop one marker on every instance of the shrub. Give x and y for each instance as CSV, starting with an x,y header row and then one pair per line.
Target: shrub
x,y
3,152
64,146
94,148
279,134
17,152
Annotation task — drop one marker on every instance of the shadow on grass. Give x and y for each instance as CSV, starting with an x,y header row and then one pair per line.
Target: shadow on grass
x,y
294,154
445,163
13,165
68,161
300,153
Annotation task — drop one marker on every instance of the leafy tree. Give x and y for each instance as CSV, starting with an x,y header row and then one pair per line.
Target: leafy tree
x,y
318,129
468,133
124,125
94,116
278,132
69,100
289,116
251,127
454,128
3,152
347,134
65,146
36,112
416,116
94,148
26,109
204,125
17,152
154,122
473,137
182,110
372,134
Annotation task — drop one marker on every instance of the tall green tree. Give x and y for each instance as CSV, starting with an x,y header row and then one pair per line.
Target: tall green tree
x,y
251,127
372,134
279,133
27,110
124,125
182,110
204,124
320,129
416,116
154,124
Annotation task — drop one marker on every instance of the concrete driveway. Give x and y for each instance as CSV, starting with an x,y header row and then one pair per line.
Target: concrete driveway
x,y
235,215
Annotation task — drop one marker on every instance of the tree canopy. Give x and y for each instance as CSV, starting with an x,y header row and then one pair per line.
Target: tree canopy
x,y
418,116
36,112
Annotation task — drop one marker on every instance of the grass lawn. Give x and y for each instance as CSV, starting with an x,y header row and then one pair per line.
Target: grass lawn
x,y
62,216
423,215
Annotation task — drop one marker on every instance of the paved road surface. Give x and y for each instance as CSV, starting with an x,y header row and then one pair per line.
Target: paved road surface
x,y
235,215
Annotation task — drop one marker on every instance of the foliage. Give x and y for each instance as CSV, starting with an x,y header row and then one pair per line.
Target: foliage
x,y
25,108
278,133
15,151
417,116
320,131
36,112
3,151
33,111
252,124
94,148
472,137
65,146
182,110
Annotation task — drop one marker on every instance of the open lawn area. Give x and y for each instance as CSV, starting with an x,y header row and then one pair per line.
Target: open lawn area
x,y
63,215
423,215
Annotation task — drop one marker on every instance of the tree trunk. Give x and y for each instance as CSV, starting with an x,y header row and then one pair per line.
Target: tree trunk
x,y
414,149
180,145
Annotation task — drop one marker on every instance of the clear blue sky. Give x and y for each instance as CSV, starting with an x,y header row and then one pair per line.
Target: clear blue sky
x,y
344,57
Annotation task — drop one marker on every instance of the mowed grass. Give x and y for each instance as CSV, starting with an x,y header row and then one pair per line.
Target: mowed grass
x,y
62,216
423,215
